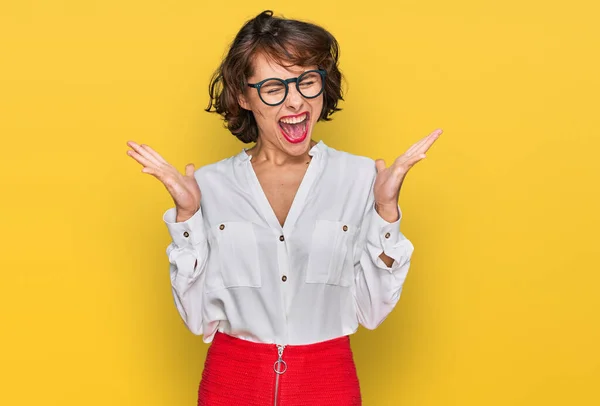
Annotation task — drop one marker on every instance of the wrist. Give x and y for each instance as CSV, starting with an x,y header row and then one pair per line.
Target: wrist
x,y
388,212
184,215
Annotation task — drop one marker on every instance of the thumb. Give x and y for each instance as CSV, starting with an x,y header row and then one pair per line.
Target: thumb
x,y
379,165
189,170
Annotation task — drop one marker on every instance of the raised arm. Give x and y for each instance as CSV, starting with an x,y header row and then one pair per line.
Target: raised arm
x,y
188,250
383,256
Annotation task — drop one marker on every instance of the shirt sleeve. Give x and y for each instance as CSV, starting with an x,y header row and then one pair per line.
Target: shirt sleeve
x,y
378,287
188,254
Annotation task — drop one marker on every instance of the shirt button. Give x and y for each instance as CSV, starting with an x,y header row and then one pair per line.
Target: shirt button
x,y
281,238
345,228
284,278
387,235
186,234
222,227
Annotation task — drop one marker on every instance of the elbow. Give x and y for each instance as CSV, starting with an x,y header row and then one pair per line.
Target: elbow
x,y
370,319
373,315
190,316
194,327
372,323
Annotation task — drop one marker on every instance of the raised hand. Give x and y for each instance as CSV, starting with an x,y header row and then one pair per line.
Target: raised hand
x,y
183,188
389,180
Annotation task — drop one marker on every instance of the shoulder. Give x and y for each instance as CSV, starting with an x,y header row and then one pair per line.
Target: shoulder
x,y
213,168
355,164
216,171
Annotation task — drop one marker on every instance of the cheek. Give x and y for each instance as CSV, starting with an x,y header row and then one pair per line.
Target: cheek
x,y
317,107
258,108
264,115
267,116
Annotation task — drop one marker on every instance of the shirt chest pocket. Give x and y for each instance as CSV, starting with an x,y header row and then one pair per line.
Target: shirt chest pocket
x,y
330,258
237,254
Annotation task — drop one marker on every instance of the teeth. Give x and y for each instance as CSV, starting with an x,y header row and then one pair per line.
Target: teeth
x,y
294,120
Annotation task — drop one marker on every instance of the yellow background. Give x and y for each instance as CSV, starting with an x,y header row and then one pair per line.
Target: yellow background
x,y
501,304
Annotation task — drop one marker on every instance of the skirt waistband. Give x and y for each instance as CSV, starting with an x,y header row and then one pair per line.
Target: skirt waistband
x,y
339,343
242,372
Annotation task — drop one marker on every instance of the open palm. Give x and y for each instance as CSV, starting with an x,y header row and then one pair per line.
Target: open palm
x,y
389,179
183,187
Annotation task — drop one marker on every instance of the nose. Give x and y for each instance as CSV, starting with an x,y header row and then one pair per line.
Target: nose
x,y
294,99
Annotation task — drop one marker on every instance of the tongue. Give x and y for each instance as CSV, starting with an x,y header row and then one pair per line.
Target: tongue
x,y
294,131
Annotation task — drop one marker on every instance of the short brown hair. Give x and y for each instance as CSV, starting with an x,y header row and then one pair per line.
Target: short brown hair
x,y
282,40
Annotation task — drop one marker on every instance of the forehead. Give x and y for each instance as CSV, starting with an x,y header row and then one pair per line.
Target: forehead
x,y
264,67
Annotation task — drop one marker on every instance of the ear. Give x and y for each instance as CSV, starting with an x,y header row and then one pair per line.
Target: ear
x,y
243,102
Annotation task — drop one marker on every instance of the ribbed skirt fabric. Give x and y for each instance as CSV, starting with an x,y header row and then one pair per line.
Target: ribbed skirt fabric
x,y
241,372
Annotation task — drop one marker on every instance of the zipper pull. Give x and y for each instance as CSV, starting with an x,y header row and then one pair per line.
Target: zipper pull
x,y
280,366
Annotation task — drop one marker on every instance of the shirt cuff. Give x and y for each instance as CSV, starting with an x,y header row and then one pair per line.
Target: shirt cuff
x,y
386,237
185,234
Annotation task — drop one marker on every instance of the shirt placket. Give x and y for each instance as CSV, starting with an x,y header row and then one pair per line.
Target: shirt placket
x,y
285,274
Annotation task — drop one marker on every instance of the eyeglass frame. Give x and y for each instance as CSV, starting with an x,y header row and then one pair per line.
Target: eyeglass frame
x,y
286,82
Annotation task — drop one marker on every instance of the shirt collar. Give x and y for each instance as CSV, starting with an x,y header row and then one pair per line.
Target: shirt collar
x,y
316,149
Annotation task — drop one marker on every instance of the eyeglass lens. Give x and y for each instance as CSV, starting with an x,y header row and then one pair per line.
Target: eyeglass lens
x,y
310,85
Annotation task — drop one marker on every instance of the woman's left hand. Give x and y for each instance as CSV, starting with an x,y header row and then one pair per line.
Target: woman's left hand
x,y
389,180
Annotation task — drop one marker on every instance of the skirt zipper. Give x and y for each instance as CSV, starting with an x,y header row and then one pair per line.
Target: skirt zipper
x,y
280,367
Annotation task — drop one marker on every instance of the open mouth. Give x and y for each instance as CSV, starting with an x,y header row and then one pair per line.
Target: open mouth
x,y
294,128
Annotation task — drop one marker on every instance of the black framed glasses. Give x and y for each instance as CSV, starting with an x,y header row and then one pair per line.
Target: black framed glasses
x,y
273,91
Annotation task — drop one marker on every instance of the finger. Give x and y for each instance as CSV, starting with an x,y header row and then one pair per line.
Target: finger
x,y
189,170
155,154
416,145
149,170
428,142
379,165
405,164
148,154
415,148
141,150
142,160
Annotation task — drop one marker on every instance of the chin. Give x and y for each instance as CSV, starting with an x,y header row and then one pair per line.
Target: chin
x,y
295,148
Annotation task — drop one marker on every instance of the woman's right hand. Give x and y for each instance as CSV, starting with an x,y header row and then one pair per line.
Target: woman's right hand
x,y
183,188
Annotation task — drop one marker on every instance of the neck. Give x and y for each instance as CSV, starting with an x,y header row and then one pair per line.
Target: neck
x,y
265,151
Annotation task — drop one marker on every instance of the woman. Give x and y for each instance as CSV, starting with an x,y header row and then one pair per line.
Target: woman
x,y
282,250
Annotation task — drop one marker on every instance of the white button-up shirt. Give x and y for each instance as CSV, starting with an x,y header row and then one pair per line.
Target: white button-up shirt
x,y
235,269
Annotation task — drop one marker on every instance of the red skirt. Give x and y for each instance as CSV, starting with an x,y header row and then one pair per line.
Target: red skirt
x,y
241,372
